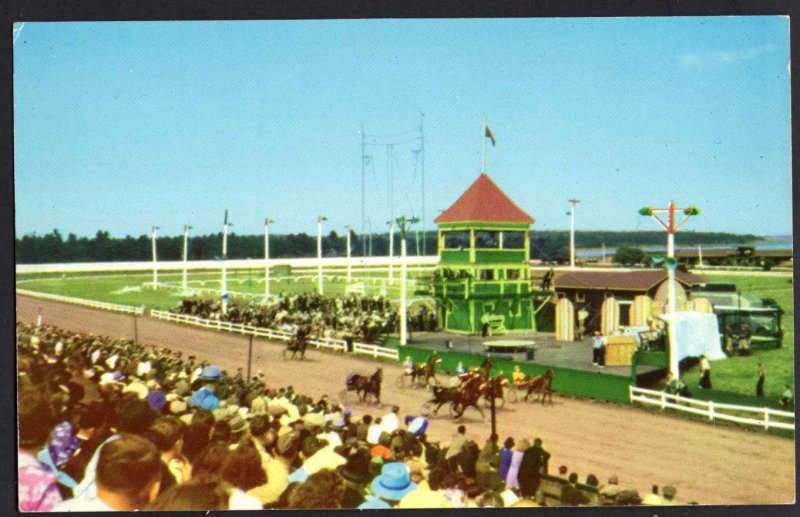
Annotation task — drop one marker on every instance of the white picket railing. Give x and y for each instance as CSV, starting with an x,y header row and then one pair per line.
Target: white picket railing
x,y
376,351
713,410
80,301
337,345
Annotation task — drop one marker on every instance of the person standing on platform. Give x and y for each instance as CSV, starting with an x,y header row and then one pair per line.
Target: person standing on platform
x,y
596,347
485,324
762,375
705,370
601,355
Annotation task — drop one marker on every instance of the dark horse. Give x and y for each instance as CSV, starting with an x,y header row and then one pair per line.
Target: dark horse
x,y
297,344
364,385
460,397
541,386
426,371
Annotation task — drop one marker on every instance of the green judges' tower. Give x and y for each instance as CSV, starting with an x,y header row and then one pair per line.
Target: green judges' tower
x,y
484,272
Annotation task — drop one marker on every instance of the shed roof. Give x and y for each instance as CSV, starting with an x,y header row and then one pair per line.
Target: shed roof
x,y
484,201
622,280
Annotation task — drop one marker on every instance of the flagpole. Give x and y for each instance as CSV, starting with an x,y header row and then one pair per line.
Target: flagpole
x,y
483,134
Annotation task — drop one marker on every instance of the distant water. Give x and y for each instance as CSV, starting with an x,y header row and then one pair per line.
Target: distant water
x,y
775,243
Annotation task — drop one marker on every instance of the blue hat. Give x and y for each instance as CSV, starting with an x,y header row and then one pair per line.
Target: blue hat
x,y
211,372
418,425
393,483
374,503
156,399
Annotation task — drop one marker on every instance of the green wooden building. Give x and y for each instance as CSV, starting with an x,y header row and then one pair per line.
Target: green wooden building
x,y
483,263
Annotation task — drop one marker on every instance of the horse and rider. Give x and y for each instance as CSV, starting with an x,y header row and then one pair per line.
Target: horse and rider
x,y
298,343
364,385
460,397
540,384
420,372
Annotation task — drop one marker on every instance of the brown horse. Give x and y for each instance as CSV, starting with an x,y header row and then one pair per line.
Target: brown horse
x,y
460,397
364,385
541,386
487,389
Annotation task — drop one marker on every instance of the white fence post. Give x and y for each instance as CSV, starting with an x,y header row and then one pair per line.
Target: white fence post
x,y
663,400
711,410
766,419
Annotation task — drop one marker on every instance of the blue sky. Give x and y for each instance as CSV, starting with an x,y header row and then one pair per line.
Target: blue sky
x,y
119,126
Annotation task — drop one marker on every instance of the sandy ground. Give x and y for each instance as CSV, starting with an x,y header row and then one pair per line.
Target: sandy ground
x,y
706,463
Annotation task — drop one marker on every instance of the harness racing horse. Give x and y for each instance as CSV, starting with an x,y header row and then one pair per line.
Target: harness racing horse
x,y
364,386
541,386
297,344
459,397
487,391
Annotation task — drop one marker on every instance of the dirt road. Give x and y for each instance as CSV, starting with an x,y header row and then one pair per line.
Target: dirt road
x,y
706,463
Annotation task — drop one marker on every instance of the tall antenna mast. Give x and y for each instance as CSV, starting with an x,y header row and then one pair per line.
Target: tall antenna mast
x,y
363,198
422,152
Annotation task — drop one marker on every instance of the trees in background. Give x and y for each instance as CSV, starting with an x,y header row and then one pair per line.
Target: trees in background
x,y
549,246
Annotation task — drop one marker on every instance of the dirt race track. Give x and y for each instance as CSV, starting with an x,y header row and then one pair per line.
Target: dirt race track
x,y
706,463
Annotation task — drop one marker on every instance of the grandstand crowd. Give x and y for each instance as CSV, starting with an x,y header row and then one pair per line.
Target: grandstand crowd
x,y
360,318
108,424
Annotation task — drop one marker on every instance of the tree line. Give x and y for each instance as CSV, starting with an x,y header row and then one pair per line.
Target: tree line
x,y
545,245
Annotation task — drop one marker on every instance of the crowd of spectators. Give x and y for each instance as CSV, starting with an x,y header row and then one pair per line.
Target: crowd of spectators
x,y
109,424
359,318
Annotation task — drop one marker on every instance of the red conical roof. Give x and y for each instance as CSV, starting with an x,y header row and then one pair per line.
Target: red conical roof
x,y
483,201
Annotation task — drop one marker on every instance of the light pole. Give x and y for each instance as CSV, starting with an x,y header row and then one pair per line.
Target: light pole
x,y
391,251
186,228
403,221
224,266
671,227
349,265
267,222
155,260
573,202
320,218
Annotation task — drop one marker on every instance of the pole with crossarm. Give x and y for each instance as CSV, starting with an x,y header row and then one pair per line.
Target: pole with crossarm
x,y
155,260
224,266
320,218
671,227
572,202
404,223
349,264
267,222
186,229
391,251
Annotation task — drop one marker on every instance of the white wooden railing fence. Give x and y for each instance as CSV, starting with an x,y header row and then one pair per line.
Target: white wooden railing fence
x,y
338,345
80,301
714,410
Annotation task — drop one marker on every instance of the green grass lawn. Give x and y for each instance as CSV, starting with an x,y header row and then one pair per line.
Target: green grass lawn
x,y
135,288
738,375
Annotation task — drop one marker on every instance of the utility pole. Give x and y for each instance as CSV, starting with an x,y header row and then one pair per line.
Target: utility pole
x,y
391,251
155,261
267,222
349,264
573,202
363,195
320,218
224,265
404,223
671,227
422,168
186,228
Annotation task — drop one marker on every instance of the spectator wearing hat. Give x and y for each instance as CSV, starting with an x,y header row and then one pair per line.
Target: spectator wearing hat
x,y
393,483
128,477
356,476
205,397
37,483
